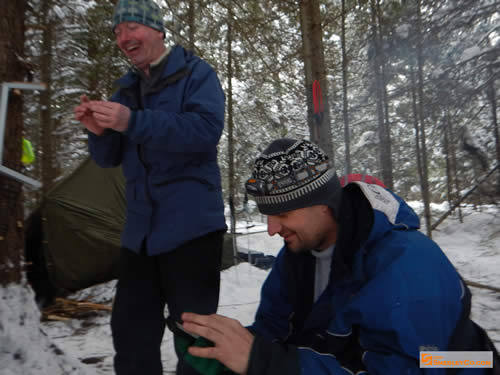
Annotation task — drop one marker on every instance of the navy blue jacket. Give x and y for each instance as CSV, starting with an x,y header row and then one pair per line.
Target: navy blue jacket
x,y
169,154
392,293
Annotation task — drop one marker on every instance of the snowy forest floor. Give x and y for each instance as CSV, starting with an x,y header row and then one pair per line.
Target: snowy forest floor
x,y
83,346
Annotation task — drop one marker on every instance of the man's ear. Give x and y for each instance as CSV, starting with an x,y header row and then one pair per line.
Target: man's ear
x,y
325,208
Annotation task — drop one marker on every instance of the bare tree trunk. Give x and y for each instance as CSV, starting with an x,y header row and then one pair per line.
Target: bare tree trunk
x,y
49,172
384,149
386,132
454,169
446,150
230,123
421,102
11,201
416,125
283,131
449,152
345,109
493,104
315,69
192,24
462,198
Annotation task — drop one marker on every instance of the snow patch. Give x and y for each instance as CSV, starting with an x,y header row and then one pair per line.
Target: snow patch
x,y
24,348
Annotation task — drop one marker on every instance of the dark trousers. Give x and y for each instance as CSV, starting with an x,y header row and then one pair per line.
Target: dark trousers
x,y
186,279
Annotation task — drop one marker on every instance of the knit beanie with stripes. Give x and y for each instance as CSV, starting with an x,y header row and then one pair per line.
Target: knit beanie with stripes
x,y
292,174
146,12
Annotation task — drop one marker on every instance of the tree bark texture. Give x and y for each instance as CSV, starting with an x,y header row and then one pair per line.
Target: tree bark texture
x,y
345,109
192,23
454,167
450,155
230,123
385,157
421,103
494,119
49,172
315,69
11,202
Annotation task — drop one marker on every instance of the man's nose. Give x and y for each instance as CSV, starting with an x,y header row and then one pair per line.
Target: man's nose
x,y
273,225
122,37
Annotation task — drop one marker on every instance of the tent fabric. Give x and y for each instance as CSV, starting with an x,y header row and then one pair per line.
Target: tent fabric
x,y
82,218
73,238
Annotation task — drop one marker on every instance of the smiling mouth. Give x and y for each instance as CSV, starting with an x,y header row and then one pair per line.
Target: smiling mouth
x,y
131,49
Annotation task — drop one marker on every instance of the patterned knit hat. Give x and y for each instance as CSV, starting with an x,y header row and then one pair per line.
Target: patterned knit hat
x,y
146,12
292,174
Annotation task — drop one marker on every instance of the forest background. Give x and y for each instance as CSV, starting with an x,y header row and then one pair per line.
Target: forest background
x,y
408,91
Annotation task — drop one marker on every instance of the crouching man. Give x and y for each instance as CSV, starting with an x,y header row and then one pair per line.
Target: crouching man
x,y
356,287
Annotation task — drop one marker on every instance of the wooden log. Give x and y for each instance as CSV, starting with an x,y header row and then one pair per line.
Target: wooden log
x,y
482,286
56,318
447,213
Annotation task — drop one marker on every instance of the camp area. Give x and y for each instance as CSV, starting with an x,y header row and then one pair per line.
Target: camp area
x,y
343,156
73,237
80,322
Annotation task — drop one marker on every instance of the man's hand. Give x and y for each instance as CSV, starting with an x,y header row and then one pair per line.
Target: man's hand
x,y
83,114
110,115
232,341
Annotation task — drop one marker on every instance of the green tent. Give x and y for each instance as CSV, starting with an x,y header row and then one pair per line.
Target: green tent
x,y
73,238
77,228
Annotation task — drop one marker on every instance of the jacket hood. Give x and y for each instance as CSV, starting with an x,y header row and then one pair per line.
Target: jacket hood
x,y
389,210
367,213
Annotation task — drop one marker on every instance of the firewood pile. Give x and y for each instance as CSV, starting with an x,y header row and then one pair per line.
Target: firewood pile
x,y
65,309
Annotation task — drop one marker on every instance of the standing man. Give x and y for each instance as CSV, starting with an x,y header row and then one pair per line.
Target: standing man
x,y
356,289
163,126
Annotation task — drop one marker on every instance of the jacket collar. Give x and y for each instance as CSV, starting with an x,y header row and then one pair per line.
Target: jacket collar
x,y
367,213
355,224
177,60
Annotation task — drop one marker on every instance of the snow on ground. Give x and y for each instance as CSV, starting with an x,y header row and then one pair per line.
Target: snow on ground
x,y
28,350
91,342
84,346
474,248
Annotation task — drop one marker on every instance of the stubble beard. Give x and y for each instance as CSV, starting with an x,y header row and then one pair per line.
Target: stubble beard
x,y
316,243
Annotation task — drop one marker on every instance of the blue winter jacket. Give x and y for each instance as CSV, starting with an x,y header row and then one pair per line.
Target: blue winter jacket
x,y
168,154
392,293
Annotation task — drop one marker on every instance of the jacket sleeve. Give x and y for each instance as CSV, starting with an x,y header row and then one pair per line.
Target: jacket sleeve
x,y
272,355
275,358
106,149
197,128
273,316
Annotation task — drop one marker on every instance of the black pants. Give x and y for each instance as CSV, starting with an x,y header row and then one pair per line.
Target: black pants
x,y
186,279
